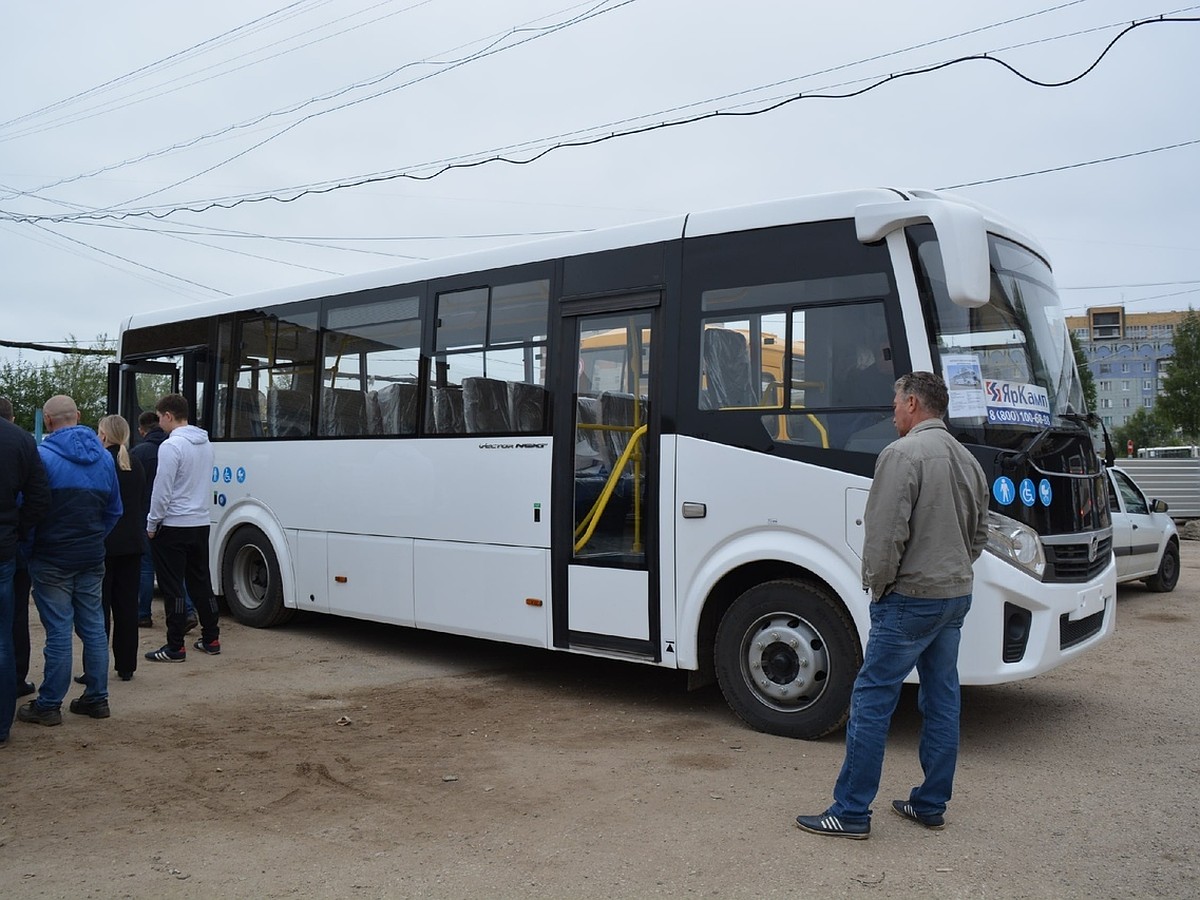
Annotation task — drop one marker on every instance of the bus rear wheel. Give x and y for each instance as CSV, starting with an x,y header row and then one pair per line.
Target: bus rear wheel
x,y
250,575
786,657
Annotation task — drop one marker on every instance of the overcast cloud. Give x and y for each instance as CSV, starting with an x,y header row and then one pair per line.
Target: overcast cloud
x,y
423,82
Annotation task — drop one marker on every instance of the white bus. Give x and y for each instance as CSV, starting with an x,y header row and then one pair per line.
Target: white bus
x,y
651,443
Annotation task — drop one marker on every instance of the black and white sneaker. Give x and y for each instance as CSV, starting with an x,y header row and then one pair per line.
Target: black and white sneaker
x,y
834,826
166,654
213,648
903,808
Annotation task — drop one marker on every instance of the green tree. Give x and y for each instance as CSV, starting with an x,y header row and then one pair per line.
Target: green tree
x,y
1180,397
1145,428
1086,380
83,376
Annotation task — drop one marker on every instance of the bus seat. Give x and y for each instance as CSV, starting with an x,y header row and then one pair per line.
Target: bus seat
x,y
445,414
289,413
246,419
485,405
343,412
528,405
397,408
730,383
617,408
590,445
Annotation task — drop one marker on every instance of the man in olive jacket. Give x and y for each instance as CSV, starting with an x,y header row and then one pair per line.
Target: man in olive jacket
x,y
925,525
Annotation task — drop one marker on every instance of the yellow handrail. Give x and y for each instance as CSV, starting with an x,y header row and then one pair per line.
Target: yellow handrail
x,y
592,519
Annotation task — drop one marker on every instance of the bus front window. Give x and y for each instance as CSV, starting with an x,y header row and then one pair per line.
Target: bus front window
x,y
1009,364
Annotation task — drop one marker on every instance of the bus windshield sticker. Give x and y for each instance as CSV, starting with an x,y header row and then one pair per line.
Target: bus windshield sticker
x,y
964,380
1012,403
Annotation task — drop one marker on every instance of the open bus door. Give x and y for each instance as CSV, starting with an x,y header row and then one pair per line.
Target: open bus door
x,y
605,508
135,387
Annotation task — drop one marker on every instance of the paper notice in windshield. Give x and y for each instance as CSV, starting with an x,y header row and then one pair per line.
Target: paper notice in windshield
x,y
965,383
1012,403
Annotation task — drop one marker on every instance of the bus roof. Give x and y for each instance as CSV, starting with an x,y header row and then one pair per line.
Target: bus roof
x,y
815,208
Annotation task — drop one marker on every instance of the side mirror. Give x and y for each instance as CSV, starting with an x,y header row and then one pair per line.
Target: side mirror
x,y
1159,506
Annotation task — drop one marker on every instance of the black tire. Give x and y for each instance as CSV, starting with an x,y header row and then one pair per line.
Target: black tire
x,y
250,576
786,657
1167,576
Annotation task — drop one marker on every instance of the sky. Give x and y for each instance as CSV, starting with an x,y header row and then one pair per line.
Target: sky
x,y
138,140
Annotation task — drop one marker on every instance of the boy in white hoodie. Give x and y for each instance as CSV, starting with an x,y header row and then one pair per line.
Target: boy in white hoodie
x,y
177,525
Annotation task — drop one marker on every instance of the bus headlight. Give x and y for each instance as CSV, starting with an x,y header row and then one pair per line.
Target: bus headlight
x,y
1015,543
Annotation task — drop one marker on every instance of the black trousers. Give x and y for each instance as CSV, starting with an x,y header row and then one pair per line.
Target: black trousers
x,y
122,581
20,630
181,557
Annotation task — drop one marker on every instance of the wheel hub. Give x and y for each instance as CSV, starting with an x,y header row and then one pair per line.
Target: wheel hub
x,y
785,661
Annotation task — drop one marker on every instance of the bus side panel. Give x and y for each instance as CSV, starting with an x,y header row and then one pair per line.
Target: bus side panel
x,y
759,508
483,590
371,578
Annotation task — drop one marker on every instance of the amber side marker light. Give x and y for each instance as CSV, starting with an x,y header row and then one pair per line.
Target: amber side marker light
x,y
532,601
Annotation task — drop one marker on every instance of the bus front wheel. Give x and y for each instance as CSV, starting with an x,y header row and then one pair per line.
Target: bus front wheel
x,y
786,657
250,575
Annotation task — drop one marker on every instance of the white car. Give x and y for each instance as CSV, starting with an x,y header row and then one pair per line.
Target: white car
x,y
1144,538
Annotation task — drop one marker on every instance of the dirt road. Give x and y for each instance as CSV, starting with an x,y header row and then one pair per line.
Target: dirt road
x,y
332,759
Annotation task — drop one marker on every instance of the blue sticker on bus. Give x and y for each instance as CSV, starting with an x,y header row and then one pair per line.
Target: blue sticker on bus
x,y
216,474
228,474
1003,490
241,475
1045,492
220,500
1028,495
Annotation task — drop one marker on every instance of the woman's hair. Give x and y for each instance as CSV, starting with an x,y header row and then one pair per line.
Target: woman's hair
x,y
116,429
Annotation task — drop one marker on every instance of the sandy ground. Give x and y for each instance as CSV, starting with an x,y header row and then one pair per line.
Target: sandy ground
x,y
332,758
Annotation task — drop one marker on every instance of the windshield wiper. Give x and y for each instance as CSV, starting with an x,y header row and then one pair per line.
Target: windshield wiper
x,y
1011,460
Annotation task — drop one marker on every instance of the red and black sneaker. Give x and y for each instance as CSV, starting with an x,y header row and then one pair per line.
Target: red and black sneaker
x,y
212,649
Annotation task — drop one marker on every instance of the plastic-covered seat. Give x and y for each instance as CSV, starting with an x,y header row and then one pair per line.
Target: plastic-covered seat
x,y
396,406
617,408
289,413
246,417
729,380
528,405
485,406
343,412
445,413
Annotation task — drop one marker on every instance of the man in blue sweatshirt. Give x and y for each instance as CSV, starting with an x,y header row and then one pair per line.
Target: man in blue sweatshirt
x,y
66,562
177,526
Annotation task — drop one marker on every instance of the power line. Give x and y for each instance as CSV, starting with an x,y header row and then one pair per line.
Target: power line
x,y
329,187
489,49
140,72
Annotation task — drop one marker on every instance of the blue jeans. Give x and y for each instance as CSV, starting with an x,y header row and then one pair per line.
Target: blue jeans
x,y
66,599
905,632
8,661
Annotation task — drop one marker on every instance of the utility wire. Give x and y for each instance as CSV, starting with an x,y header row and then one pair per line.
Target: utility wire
x,y
297,193
490,48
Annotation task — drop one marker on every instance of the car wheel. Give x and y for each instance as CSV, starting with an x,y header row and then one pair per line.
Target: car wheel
x,y
1167,575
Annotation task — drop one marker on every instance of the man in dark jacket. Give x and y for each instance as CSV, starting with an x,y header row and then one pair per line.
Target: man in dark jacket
x,y
66,562
146,453
24,500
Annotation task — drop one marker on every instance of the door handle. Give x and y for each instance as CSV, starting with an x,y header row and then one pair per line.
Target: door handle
x,y
692,510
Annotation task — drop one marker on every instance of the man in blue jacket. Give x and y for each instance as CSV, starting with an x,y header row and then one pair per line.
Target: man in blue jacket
x,y
24,499
66,562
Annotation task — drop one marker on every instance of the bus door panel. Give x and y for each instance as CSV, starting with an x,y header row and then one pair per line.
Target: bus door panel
x,y
371,577
605,508
310,551
141,385
484,590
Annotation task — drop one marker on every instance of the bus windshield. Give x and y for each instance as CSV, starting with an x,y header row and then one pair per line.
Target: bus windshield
x,y
1009,365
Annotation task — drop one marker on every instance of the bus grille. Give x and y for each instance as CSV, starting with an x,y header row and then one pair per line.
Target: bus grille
x,y
1069,562
1072,633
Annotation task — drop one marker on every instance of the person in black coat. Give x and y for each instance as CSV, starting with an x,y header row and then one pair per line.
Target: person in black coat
x,y
24,502
123,549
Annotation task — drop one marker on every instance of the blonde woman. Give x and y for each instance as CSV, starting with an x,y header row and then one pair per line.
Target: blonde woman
x,y
123,549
